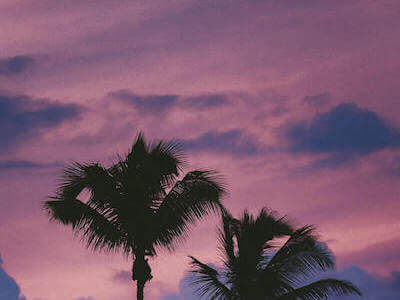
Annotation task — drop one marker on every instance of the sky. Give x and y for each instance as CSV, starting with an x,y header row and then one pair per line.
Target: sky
x,y
295,103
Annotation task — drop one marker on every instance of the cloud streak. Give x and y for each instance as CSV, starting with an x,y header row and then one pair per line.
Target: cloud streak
x,y
16,164
122,276
163,103
234,142
22,117
146,104
16,65
318,100
206,101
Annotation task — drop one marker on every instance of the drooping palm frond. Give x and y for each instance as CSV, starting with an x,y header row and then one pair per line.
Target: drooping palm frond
x,y
94,220
191,199
207,283
98,231
322,289
301,256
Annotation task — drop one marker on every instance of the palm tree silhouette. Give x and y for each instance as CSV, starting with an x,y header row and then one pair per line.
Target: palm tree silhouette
x,y
138,205
255,268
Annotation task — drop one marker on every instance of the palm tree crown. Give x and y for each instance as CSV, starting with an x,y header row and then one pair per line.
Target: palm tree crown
x,y
137,205
255,268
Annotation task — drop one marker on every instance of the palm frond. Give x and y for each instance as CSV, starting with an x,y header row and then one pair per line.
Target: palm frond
x,y
226,241
167,159
73,181
143,175
322,289
93,177
254,234
207,283
95,228
301,256
139,148
268,221
191,199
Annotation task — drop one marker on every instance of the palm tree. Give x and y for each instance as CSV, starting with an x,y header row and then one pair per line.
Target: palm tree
x,y
137,205
255,268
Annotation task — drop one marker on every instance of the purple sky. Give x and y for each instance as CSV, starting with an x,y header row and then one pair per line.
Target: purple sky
x,y
296,103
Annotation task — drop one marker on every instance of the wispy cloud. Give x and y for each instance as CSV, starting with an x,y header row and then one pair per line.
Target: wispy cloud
x,y
122,276
163,103
16,65
318,100
146,104
234,142
23,117
206,101
15,164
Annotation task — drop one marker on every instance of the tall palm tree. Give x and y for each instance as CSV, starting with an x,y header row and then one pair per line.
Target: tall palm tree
x,y
255,268
137,205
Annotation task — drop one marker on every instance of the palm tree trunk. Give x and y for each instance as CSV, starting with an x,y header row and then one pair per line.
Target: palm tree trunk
x,y
140,288
138,273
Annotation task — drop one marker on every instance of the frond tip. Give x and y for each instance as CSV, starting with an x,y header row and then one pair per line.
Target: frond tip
x,y
205,279
301,256
322,289
95,228
194,197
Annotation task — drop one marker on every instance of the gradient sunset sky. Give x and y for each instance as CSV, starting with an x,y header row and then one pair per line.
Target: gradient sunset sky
x,y
296,103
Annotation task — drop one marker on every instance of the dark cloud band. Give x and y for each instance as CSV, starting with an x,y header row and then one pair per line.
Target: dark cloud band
x,y
158,104
16,65
234,142
22,117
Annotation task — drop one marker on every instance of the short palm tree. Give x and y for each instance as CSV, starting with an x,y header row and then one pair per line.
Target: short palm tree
x,y
137,205
254,268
